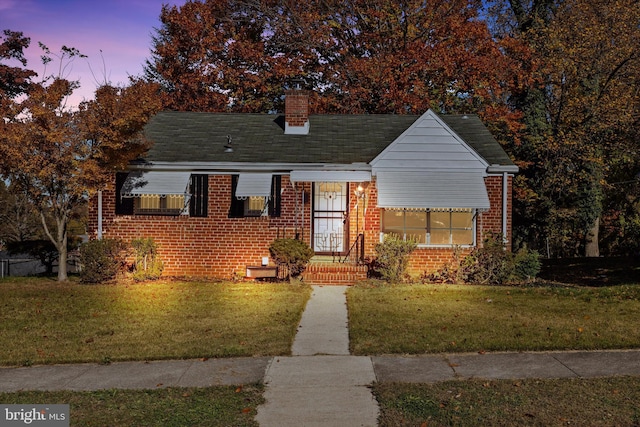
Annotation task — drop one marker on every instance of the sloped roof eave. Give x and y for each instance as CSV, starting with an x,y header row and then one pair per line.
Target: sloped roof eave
x,y
247,167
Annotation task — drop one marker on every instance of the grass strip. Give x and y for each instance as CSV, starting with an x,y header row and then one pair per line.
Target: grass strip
x,y
416,319
557,402
44,322
211,407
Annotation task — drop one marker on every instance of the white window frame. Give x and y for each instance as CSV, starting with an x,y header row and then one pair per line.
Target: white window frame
x,y
428,228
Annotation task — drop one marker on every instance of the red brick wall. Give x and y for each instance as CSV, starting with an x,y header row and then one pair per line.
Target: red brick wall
x,y
492,219
430,259
218,246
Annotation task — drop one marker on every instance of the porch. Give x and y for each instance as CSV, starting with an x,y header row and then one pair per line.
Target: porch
x,y
338,269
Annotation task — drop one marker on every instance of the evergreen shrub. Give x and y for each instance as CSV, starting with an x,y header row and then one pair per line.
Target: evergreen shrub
x,y
102,260
293,255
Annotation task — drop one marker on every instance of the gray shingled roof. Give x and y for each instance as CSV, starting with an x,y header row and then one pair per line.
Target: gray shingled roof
x,y
259,138
470,128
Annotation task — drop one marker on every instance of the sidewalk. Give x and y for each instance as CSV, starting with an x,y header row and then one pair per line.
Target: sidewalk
x,y
321,384
411,369
135,375
555,364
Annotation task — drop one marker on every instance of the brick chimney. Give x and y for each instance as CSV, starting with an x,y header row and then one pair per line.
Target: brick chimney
x,y
296,111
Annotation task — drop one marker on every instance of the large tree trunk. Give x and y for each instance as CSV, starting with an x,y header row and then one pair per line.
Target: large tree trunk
x,y
60,242
592,249
62,263
62,249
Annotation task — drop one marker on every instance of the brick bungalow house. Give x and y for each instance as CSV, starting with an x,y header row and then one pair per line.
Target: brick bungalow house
x,y
216,189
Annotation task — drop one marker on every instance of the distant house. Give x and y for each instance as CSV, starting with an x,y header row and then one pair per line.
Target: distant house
x,y
216,189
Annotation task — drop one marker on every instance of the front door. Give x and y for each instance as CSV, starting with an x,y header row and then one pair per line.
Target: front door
x,y
329,217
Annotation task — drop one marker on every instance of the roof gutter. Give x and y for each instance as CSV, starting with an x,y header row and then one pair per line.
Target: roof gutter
x,y
503,169
246,167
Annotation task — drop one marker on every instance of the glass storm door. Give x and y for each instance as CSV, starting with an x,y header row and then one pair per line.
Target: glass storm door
x,y
329,214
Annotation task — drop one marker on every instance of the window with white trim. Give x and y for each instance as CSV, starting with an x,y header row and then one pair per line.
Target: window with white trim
x,y
431,227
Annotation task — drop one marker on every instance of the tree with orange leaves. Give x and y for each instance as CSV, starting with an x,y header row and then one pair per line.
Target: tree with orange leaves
x,y
358,56
58,156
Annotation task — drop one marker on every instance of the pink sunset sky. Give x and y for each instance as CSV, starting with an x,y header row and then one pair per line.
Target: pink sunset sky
x,y
114,34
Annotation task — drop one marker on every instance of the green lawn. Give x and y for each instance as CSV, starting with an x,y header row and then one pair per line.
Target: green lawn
x,y
561,402
43,321
461,318
206,407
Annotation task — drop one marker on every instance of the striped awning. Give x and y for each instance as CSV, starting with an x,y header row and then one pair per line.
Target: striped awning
x,y
432,190
143,183
254,184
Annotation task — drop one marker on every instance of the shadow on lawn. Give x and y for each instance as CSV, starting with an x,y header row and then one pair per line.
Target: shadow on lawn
x,y
592,271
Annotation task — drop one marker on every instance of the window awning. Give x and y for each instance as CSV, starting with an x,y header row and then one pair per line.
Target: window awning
x,y
141,183
445,190
330,176
254,184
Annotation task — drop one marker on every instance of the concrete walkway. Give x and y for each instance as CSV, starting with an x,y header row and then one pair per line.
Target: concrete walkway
x,y
324,327
321,384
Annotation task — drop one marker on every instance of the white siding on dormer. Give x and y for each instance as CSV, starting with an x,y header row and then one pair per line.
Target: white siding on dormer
x,y
430,166
429,144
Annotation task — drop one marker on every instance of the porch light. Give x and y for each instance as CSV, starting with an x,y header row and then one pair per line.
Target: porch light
x,y
359,191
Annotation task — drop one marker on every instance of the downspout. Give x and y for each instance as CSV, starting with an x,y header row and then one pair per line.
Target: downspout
x,y
99,215
505,187
295,209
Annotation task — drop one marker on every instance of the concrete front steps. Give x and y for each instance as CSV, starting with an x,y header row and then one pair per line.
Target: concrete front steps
x,y
326,272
